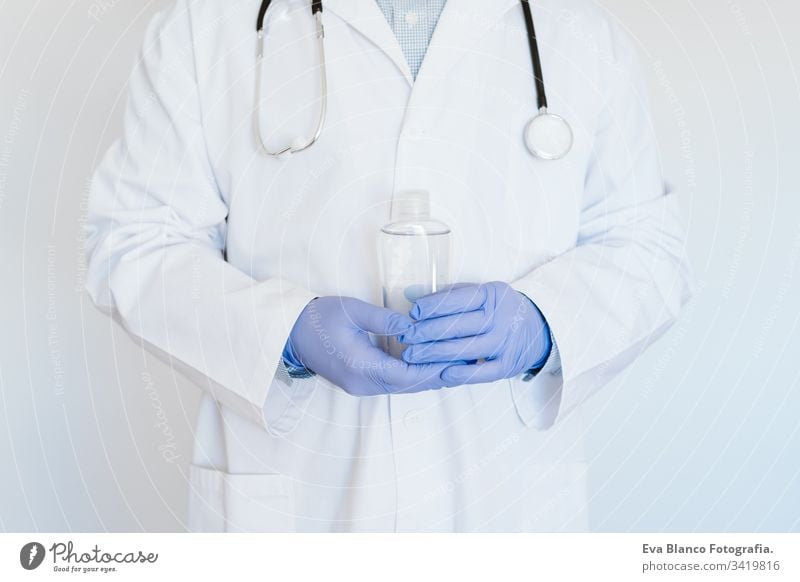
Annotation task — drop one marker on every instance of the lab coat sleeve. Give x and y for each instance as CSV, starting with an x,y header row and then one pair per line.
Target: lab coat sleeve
x,y
156,234
625,281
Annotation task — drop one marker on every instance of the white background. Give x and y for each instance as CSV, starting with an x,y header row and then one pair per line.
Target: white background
x,y
702,433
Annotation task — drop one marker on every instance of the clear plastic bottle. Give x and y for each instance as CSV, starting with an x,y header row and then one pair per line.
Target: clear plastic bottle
x,y
414,255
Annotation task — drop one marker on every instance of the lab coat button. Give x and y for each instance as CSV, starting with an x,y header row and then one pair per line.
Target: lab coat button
x,y
412,419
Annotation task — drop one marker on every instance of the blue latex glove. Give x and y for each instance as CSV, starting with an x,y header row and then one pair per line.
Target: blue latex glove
x,y
331,338
498,331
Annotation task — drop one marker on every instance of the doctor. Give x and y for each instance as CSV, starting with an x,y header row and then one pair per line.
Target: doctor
x,y
257,275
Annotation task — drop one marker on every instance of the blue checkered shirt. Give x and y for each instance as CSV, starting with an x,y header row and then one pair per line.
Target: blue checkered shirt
x,y
413,23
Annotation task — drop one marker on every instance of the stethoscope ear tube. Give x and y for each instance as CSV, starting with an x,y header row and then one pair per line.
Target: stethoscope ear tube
x,y
316,6
297,145
262,12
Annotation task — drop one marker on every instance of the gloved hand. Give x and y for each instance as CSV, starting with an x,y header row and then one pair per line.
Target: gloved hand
x,y
490,322
330,338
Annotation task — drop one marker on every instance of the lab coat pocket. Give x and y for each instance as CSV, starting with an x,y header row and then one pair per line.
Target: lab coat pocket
x,y
556,498
252,502
537,402
286,402
206,500
259,503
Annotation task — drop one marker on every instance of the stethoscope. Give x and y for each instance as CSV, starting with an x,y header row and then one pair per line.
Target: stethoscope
x,y
547,136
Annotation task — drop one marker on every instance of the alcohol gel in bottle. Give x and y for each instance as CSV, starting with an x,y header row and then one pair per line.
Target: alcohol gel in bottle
x,y
414,254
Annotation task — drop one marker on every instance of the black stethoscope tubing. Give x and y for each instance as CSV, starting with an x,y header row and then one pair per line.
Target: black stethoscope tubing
x,y
536,59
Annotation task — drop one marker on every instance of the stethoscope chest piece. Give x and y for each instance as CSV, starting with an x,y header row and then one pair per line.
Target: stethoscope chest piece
x,y
548,136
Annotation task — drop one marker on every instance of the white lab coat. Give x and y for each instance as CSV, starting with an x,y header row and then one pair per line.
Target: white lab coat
x,y
209,250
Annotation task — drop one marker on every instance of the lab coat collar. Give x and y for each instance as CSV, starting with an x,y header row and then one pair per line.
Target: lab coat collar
x,y
367,18
460,25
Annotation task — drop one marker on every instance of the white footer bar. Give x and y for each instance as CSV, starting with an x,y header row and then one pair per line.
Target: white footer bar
x,y
407,557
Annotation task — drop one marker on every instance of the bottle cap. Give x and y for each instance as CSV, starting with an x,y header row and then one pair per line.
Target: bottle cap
x,y
411,205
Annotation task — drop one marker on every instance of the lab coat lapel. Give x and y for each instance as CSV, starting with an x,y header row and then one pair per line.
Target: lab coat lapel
x,y
366,17
461,24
